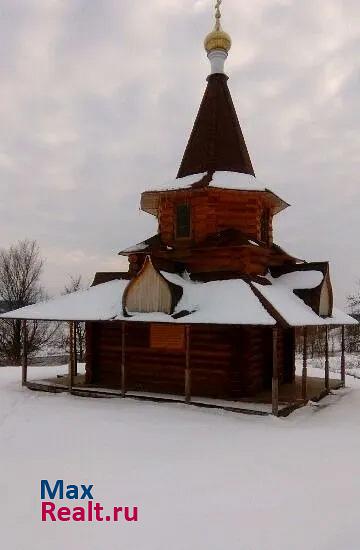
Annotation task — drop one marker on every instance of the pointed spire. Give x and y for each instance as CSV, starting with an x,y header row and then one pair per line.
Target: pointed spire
x,y
216,142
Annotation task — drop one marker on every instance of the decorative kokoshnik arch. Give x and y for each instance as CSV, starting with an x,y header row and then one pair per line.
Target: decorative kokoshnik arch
x,y
150,292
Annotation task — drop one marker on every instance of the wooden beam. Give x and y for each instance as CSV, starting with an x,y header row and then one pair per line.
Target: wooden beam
x,y
24,352
76,325
304,369
187,366
343,363
123,370
275,374
71,355
327,368
74,367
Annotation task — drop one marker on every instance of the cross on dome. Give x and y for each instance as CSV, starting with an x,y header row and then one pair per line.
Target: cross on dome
x,y
217,39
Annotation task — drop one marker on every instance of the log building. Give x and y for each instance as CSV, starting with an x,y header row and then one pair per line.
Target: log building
x,y
210,304
215,223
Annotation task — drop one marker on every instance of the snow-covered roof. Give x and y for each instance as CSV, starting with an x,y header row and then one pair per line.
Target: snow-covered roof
x,y
139,247
220,180
98,303
280,294
219,302
299,279
224,180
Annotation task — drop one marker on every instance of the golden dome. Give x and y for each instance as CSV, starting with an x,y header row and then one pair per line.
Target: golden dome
x,y
217,40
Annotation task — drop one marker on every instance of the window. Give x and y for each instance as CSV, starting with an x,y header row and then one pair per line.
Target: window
x,y
183,221
265,226
171,337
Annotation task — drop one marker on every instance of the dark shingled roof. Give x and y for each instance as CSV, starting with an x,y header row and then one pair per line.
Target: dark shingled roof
x,y
107,276
216,142
225,237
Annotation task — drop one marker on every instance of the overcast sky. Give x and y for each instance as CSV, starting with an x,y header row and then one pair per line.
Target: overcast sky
x,y
97,101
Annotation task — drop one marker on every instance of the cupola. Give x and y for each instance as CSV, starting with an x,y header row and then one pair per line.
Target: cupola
x,y
217,44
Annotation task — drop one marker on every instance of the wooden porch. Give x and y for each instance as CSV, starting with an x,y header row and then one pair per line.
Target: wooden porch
x,y
281,400
290,395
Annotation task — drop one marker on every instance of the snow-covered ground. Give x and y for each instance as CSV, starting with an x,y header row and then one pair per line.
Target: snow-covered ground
x,y
202,479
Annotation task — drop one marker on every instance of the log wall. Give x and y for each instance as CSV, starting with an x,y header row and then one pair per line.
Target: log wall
x,y
214,210
225,361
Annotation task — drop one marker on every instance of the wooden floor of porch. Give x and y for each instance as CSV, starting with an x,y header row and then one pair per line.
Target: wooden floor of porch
x,y
290,395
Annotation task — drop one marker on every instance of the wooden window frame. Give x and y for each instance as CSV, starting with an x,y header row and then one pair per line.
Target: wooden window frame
x,y
177,206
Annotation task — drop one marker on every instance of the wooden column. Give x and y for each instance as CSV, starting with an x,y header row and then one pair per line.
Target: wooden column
x,y
123,370
187,366
304,369
89,352
343,365
275,374
75,348
327,369
71,355
74,369
24,352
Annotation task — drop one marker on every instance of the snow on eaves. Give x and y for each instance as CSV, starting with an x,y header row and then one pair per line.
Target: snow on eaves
x,y
234,180
280,294
140,247
215,302
223,180
98,303
219,302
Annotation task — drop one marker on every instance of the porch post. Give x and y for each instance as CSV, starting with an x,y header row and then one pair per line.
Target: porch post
x,y
75,348
327,377
123,371
275,374
304,370
343,356
187,365
71,355
24,352
74,369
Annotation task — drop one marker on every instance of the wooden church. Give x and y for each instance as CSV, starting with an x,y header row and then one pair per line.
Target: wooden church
x,y
215,223
210,304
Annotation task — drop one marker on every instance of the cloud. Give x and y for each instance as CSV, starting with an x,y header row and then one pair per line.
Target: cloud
x,y
98,99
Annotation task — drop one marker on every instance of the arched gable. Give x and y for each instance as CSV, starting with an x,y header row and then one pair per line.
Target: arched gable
x,y
150,292
326,297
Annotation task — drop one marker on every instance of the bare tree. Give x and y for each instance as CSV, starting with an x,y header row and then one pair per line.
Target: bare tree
x,y
75,284
20,273
353,332
315,341
354,301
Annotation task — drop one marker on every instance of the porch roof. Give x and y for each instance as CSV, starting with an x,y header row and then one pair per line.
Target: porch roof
x,y
280,295
220,302
231,302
